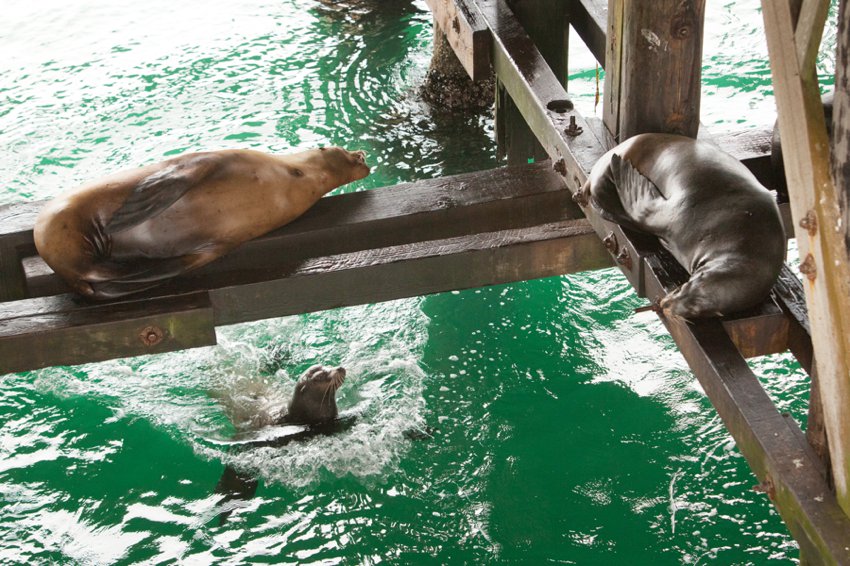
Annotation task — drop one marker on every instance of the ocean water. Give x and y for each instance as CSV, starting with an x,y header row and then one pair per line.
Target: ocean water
x,y
540,422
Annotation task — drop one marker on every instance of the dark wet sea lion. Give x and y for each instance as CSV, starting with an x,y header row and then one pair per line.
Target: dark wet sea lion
x,y
313,404
706,208
130,231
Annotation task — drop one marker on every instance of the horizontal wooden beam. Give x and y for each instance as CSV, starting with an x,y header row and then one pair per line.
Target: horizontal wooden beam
x,y
457,232
466,33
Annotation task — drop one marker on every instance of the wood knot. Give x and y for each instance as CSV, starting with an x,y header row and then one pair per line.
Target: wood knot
x,y
809,268
151,335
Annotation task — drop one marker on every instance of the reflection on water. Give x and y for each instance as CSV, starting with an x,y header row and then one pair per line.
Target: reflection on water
x,y
554,424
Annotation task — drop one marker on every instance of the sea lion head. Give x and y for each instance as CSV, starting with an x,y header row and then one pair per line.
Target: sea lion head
x,y
342,165
314,400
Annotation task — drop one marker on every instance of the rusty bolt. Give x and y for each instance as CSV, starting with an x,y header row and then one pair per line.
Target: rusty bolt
x,y
151,335
810,223
573,130
580,198
808,267
560,167
767,487
624,259
611,243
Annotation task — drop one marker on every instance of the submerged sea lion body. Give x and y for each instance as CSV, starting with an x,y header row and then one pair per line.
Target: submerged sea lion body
x,y
706,208
132,230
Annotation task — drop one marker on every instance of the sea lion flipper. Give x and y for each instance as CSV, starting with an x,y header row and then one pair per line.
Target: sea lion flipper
x,y
639,195
161,189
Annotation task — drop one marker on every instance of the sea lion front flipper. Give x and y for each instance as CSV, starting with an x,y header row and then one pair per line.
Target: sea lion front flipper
x,y
639,196
113,279
161,189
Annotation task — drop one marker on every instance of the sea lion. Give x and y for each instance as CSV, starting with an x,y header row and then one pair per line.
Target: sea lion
x,y
135,229
313,404
706,208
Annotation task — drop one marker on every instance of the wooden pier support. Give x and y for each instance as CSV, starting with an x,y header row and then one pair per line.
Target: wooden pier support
x,y
654,66
793,45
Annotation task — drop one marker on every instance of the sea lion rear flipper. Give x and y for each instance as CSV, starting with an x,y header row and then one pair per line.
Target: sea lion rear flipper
x,y
161,189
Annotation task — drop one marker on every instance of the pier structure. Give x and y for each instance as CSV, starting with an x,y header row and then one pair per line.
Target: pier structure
x,y
518,223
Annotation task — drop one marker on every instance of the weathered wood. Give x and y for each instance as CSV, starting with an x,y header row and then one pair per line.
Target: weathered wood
x,y
612,96
660,65
61,330
589,18
13,284
841,121
466,33
417,269
546,23
36,333
808,32
814,203
772,444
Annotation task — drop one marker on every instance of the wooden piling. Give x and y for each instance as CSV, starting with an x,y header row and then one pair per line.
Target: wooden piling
x,y
653,67
841,121
820,239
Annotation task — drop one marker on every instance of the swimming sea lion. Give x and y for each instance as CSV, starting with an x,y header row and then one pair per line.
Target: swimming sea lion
x,y
313,404
132,230
706,208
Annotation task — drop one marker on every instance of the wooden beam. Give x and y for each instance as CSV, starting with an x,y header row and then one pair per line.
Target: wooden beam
x,y
466,33
817,221
590,18
809,31
62,330
613,70
36,333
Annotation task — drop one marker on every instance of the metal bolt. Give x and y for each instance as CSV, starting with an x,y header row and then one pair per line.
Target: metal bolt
x,y
808,267
611,243
560,167
580,197
624,259
810,223
573,130
151,335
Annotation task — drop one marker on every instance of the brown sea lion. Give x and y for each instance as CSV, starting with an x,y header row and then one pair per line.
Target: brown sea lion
x,y
132,230
706,208
313,404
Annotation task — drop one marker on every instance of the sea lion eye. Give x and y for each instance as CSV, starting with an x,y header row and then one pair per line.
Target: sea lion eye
x,y
296,172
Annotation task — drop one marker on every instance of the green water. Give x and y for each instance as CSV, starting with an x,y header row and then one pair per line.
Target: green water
x,y
563,428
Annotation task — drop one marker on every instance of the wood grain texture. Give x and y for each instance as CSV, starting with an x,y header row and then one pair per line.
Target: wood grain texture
x,y
466,33
812,193
661,68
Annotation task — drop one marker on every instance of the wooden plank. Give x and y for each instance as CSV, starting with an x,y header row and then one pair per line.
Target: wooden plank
x,y
809,31
466,33
772,444
63,330
53,331
590,18
661,67
814,203
417,269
